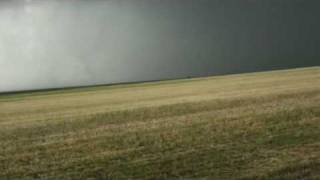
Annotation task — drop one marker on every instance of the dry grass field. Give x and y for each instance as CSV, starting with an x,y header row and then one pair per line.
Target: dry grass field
x,y
240,127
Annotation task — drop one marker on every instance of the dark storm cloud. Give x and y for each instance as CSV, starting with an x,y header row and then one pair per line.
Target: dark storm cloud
x,y
77,42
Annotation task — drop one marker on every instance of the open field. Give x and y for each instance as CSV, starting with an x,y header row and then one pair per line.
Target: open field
x,y
242,127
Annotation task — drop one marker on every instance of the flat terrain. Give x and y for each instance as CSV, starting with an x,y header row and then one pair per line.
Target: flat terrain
x,y
243,127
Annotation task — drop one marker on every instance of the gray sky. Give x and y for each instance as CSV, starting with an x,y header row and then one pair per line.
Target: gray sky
x,y
58,43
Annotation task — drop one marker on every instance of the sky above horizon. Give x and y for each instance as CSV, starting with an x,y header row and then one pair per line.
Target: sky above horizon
x,y
52,43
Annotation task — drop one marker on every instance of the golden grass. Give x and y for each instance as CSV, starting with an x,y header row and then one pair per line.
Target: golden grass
x,y
248,126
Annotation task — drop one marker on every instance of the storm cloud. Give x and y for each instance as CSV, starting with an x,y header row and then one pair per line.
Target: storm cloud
x,y
52,43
